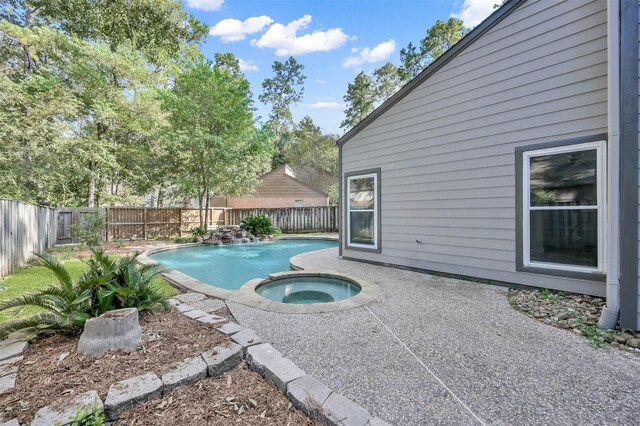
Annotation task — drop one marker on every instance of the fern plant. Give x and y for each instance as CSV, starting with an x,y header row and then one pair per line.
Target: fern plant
x,y
107,284
259,224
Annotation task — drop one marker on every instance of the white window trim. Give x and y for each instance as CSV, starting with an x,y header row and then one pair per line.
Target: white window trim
x,y
375,211
601,184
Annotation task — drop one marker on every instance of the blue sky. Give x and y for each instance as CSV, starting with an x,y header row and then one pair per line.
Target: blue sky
x,y
333,39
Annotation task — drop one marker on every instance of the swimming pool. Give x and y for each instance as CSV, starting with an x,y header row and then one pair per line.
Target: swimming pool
x,y
230,266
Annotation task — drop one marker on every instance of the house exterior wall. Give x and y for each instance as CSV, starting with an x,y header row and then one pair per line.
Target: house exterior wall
x,y
638,86
274,202
447,149
279,188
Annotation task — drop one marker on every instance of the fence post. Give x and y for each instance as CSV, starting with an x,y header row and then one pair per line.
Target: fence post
x,y
106,224
144,224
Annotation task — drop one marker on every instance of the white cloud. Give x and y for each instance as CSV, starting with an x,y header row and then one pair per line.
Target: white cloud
x,y
325,105
367,55
475,11
205,4
235,30
285,39
247,65
319,81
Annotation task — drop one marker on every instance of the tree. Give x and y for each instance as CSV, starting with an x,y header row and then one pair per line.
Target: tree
x,y
229,61
387,81
360,99
411,60
219,151
440,37
284,89
314,155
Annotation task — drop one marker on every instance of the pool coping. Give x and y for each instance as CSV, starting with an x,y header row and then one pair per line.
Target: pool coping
x,y
247,295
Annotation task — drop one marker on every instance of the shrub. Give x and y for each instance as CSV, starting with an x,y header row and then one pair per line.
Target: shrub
x,y
89,230
197,231
259,225
108,284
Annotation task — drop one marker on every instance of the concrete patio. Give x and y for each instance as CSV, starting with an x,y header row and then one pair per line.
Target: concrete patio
x,y
434,350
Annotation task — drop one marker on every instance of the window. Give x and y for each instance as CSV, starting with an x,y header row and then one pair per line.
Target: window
x,y
563,207
362,210
299,203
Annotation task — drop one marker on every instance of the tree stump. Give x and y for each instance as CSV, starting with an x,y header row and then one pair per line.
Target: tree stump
x,y
110,331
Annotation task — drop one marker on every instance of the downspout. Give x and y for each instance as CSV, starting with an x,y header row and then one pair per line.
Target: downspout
x,y
611,311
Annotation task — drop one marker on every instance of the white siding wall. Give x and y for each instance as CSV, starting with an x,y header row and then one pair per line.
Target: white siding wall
x,y
447,150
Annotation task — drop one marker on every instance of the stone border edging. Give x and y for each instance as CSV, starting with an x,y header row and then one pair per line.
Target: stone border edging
x,y
305,392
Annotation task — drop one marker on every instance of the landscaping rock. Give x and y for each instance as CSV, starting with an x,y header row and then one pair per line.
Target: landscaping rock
x,y
221,359
272,365
230,328
377,421
190,297
246,337
7,382
634,343
196,313
124,394
13,350
188,371
211,319
119,329
10,361
13,422
341,411
173,302
209,305
184,308
7,369
308,395
64,414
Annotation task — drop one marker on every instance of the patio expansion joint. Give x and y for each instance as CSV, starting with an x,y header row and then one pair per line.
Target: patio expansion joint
x,y
465,406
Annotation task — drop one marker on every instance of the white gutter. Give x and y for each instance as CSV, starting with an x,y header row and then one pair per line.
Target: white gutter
x,y
610,312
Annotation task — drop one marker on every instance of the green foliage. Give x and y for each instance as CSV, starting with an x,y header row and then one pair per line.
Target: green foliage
x,y
216,148
387,80
107,284
259,225
360,99
284,89
88,416
314,155
198,231
440,37
89,230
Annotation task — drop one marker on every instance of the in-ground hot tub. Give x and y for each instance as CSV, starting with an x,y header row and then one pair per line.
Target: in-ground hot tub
x,y
308,289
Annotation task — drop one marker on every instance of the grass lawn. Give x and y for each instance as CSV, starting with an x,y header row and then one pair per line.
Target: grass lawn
x,y
32,278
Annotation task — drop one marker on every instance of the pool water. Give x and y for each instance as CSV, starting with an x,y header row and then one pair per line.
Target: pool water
x,y
307,290
230,266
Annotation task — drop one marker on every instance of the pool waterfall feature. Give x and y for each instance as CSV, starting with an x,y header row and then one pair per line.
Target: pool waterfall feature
x,y
200,267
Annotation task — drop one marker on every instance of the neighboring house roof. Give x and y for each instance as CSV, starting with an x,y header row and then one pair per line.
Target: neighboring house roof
x,y
472,36
289,174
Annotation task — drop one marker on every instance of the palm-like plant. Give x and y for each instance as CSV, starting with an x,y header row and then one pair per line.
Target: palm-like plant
x,y
108,284
66,306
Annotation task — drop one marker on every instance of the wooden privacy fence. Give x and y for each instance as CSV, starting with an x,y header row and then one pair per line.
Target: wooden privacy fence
x,y
24,229
293,219
137,223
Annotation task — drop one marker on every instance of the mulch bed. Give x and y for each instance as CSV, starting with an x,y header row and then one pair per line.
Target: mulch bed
x,y
578,313
52,369
240,397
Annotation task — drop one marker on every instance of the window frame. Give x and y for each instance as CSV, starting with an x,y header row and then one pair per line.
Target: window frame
x,y
348,177
524,209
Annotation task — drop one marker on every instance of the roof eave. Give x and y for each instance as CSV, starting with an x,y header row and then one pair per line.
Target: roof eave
x,y
468,39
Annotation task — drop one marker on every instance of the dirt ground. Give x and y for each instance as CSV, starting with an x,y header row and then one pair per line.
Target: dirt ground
x,y
51,368
240,397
